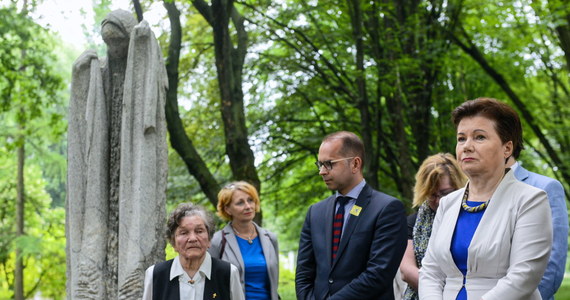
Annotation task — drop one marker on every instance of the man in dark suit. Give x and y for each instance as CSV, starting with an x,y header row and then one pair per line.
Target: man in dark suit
x,y
350,247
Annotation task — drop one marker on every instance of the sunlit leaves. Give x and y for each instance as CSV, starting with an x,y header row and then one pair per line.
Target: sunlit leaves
x,y
43,245
31,112
300,83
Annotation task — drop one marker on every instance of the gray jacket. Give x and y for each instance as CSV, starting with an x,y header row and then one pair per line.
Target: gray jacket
x,y
232,253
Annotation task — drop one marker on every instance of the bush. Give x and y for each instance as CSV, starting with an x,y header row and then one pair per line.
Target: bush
x,y
286,284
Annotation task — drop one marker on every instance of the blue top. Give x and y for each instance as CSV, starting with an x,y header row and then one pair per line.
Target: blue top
x,y
467,223
255,270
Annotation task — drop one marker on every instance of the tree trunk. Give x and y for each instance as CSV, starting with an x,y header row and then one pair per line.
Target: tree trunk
x,y
20,203
562,28
178,137
229,66
19,269
403,157
564,36
138,10
372,24
366,128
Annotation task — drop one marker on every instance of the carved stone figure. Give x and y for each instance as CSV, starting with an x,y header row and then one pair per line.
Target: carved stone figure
x,y
117,163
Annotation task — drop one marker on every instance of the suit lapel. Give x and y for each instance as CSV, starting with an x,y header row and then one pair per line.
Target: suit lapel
x,y
232,247
450,221
266,245
352,222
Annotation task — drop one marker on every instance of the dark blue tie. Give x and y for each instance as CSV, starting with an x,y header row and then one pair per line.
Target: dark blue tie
x,y
337,224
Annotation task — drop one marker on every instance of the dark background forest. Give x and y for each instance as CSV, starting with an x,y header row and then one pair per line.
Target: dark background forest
x,y
253,87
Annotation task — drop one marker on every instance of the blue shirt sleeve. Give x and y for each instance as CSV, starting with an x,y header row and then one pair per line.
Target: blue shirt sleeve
x,y
554,273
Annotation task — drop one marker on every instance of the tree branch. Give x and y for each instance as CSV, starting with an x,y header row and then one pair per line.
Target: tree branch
x,y
178,137
471,49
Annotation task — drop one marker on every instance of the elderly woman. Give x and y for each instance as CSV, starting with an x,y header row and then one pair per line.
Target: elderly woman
x,y
492,238
252,249
193,274
438,176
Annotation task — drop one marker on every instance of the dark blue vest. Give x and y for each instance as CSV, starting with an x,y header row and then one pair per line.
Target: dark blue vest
x,y
217,289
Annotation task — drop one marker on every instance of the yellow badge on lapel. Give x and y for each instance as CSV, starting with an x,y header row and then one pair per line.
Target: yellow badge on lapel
x,y
355,211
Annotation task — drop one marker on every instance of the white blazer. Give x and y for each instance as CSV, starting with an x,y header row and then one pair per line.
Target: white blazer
x,y
232,254
509,251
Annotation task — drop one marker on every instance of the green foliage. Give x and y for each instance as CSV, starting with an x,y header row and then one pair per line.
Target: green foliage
x,y
199,97
43,245
26,64
518,40
286,288
29,85
300,83
287,196
31,112
92,31
32,85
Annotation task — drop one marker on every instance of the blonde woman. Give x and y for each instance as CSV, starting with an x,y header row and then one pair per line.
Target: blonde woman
x,y
438,176
243,243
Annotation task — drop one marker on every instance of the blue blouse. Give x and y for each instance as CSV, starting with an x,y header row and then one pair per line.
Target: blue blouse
x,y
255,273
467,223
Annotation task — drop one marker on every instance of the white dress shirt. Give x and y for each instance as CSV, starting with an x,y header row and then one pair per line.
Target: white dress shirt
x,y
194,290
353,195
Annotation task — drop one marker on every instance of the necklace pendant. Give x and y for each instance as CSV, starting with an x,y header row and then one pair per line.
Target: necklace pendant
x,y
250,241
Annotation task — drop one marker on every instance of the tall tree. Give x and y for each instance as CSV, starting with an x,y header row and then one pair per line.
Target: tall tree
x,y
222,16
27,83
392,71
376,77
537,41
43,245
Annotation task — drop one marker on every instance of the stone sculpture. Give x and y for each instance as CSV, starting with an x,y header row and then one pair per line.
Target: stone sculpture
x,y
117,163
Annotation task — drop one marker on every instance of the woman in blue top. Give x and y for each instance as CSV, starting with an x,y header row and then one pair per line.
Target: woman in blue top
x,y
243,243
491,239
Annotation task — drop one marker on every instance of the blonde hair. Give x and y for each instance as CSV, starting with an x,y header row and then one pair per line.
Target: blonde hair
x,y
432,170
226,193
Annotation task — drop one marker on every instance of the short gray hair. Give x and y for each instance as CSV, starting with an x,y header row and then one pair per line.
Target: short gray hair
x,y
188,210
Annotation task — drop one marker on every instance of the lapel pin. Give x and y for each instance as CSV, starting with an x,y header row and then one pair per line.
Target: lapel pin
x,y
355,211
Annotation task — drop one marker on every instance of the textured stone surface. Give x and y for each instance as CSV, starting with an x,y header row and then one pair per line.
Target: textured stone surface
x,y
117,163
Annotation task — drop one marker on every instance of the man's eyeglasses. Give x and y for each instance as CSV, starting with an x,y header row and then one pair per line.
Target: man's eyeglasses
x,y
328,164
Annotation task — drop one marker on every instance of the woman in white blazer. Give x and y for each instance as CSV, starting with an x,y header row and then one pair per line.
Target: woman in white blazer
x,y
243,243
491,239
